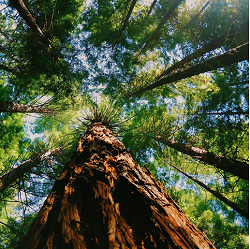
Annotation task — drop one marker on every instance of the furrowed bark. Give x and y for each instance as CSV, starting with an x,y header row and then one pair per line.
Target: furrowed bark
x,y
29,19
231,204
11,176
103,199
235,167
6,106
237,54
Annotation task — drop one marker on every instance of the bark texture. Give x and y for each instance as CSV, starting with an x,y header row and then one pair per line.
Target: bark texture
x,y
235,167
6,106
103,199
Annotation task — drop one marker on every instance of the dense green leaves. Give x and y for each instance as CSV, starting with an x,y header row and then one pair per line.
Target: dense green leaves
x,y
113,49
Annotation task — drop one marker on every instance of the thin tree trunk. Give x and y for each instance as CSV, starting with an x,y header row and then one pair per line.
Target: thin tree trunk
x,y
165,18
231,204
103,199
29,19
221,113
202,9
132,5
11,176
237,54
151,7
6,106
205,49
235,167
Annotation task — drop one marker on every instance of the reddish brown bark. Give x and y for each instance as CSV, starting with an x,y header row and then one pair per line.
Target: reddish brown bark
x,y
237,54
103,199
6,106
235,167
11,176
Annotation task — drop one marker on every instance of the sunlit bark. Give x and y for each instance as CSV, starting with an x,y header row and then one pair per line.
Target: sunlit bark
x,y
103,199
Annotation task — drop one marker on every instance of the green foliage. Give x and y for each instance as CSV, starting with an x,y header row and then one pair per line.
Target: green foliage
x,y
219,229
86,57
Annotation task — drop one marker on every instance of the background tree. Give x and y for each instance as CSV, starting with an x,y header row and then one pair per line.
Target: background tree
x,y
84,55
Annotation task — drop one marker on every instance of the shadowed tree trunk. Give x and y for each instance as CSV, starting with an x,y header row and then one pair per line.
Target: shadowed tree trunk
x,y
29,19
11,176
231,204
163,21
235,167
6,106
132,5
221,113
218,42
151,7
237,54
103,199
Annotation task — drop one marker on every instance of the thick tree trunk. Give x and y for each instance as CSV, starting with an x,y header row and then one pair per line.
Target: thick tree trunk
x,y
103,199
231,204
237,54
6,106
235,167
11,176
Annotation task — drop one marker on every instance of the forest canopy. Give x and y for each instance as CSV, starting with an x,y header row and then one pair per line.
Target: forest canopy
x,y
171,78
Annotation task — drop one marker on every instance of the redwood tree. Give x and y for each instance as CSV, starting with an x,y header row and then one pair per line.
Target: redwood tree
x,y
103,199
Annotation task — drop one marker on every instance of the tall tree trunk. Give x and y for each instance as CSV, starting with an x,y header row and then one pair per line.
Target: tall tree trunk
x,y
221,113
231,204
237,54
218,42
11,176
151,7
6,106
202,9
132,5
103,199
29,19
235,167
163,21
